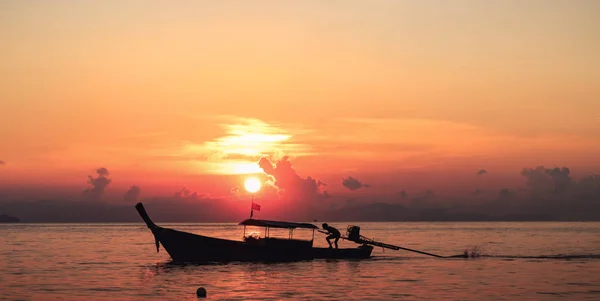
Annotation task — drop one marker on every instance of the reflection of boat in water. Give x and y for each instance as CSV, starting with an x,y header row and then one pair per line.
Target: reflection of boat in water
x,y
189,247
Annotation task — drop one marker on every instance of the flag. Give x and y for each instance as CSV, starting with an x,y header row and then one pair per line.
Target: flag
x,y
254,207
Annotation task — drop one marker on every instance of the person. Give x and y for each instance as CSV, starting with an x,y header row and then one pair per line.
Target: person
x,y
333,233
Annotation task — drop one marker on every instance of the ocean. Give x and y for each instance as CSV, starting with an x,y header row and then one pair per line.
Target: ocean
x,y
516,261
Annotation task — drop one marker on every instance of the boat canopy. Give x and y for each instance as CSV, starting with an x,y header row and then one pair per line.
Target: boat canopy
x,y
276,224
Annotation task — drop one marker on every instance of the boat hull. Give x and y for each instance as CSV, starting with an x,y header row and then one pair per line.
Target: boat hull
x,y
187,247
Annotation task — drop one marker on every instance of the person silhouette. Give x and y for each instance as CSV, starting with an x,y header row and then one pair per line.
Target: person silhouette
x,y
333,234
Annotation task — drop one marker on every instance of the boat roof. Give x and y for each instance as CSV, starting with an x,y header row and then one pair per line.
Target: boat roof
x,y
276,224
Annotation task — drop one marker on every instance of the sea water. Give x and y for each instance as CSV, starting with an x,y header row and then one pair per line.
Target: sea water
x,y
516,261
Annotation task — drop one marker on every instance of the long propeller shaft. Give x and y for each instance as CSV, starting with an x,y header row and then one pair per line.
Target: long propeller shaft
x,y
362,240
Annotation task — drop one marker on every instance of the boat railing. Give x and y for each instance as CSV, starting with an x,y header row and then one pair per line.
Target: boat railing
x,y
280,228
278,242
277,238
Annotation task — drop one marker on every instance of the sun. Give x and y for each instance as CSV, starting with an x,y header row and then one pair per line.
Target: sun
x,y
252,185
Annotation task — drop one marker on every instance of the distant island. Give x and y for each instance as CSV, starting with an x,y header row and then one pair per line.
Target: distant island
x,y
210,211
8,219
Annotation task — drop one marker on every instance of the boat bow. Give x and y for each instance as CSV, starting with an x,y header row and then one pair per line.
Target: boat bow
x,y
151,225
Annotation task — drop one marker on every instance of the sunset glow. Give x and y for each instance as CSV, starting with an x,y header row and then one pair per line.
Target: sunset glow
x,y
242,142
354,101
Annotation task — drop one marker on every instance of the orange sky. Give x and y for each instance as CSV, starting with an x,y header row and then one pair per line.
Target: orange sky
x,y
159,92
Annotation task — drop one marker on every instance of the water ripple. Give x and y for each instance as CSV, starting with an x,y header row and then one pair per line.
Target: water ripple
x,y
119,262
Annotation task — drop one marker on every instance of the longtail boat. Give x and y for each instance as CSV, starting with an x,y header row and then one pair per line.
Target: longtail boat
x,y
189,247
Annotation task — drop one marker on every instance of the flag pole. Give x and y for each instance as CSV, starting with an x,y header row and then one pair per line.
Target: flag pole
x,y
252,206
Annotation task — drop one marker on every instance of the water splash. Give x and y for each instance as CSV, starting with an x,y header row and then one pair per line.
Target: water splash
x,y
477,252
470,252
474,252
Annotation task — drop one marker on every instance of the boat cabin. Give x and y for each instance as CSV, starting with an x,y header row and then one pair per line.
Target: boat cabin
x,y
274,241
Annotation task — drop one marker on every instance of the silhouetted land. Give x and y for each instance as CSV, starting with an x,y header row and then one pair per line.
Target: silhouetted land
x,y
215,211
8,219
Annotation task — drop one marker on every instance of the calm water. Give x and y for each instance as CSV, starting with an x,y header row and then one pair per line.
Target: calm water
x,y
119,262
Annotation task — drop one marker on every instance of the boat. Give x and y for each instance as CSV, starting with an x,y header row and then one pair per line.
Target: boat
x,y
186,247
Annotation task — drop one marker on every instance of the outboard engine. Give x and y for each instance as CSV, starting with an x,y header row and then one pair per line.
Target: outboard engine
x,y
353,233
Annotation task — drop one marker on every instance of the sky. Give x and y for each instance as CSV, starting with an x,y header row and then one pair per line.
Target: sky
x,y
397,95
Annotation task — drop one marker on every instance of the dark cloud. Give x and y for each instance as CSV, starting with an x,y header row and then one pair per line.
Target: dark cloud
x,y
481,172
289,183
403,194
102,171
353,184
537,179
187,194
99,184
506,194
2,162
132,195
590,185
544,180
561,179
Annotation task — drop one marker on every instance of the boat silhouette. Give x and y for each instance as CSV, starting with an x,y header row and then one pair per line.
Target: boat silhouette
x,y
188,247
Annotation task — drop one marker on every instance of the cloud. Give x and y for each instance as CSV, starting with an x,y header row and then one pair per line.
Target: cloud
x,y
132,195
590,185
187,194
537,179
403,194
481,172
505,194
289,183
244,141
544,180
102,171
561,179
2,162
99,184
353,184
